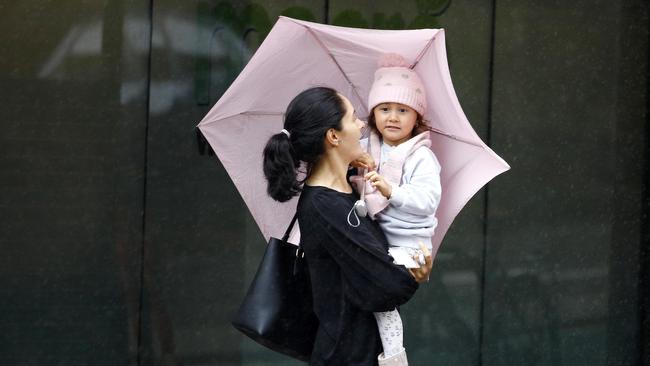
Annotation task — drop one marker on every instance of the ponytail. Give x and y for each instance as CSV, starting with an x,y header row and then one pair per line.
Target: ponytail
x,y
280,168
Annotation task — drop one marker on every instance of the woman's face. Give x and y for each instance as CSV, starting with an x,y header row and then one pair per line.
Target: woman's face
x,y
395,122
350,132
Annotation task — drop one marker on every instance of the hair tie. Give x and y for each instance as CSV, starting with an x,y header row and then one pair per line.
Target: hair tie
x,y
286,133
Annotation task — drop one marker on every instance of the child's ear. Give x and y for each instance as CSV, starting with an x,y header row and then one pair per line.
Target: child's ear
x,y
332,137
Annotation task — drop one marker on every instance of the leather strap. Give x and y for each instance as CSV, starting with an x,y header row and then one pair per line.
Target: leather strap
x,y
288,232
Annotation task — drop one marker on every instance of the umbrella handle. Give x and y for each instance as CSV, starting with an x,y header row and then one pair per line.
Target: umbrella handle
x,y
363,185
359,207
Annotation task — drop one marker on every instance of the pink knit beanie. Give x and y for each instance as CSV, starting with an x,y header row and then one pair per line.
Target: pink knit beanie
x,y
395,82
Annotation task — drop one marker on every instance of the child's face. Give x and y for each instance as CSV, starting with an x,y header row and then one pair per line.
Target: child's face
x,y
395,122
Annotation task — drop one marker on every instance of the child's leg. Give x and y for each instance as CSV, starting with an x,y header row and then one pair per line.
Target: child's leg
x,y
390,332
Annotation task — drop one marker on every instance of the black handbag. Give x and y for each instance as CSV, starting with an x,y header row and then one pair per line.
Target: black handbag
x,y
277,309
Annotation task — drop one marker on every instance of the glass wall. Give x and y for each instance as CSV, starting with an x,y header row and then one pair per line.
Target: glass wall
x,y
126,243
73,85
564,226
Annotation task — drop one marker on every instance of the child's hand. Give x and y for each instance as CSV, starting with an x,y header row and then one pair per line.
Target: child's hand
x,y
380,183
364,161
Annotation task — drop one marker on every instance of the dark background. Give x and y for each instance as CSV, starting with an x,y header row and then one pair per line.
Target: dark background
x,y
125,243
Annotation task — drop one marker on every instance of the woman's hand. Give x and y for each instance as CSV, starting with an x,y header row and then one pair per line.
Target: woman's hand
x,y
422,274
380,183
364,161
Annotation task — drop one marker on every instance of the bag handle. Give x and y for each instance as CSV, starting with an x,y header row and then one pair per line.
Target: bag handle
x,y
300,254
288,232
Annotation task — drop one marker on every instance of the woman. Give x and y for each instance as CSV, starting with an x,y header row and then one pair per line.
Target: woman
x,y
351,272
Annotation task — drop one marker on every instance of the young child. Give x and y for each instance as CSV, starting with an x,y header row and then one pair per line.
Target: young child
x,y
403,193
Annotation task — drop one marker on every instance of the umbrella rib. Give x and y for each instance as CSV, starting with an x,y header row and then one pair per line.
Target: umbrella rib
x,y
320,43
455,137
262,113
417,59
249,113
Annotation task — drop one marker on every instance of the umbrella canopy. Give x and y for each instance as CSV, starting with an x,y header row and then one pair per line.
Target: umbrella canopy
x,y
297,55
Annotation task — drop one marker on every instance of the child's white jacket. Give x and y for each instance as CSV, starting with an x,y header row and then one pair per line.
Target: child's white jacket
x,y
409,216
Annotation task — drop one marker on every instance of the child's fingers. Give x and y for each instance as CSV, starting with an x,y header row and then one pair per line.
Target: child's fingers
x,y
373,177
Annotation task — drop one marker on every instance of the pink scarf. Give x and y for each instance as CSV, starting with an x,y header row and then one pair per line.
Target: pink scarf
x,y
391,169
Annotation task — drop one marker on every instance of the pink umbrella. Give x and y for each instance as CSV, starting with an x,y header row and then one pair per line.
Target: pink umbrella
x,y
297,55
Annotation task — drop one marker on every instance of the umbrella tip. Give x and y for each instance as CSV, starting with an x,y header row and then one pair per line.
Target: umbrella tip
x,y
202,143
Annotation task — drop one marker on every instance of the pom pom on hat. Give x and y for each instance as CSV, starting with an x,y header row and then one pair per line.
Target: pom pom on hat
x,y
395,82
392,60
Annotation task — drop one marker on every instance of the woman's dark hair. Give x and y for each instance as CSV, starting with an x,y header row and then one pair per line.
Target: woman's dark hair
x,y
420,124
309,116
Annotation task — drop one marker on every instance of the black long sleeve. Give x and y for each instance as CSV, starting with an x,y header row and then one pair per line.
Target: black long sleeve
x,y
352,276
370,279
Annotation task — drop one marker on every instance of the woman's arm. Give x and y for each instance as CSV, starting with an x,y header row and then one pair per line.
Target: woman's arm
x,y
370,279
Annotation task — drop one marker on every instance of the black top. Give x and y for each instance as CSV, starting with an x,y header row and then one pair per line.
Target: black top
x,y
352,276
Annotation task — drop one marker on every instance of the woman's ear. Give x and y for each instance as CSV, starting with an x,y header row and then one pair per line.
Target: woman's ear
x,y
332,137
